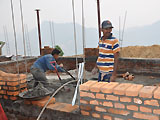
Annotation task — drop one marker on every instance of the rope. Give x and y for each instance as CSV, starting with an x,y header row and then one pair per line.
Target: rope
x,y
15,38
53,96
83,37
74,25
24,42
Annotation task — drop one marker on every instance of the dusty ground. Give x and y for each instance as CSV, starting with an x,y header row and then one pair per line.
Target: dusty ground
x,y
141,51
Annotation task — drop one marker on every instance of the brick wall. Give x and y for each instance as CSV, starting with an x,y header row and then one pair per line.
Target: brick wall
x,y
11,66
46,50
133,65
11,85
115,101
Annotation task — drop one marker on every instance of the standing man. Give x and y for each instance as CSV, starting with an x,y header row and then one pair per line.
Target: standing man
x,y
107,61
44,63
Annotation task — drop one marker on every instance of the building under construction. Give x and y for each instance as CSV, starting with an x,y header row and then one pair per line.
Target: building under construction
x,y
76,94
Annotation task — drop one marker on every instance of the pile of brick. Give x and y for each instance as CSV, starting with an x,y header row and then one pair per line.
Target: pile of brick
x,y
11,85
115,101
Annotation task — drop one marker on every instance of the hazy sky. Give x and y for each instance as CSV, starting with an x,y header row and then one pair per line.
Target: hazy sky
x,y
140,12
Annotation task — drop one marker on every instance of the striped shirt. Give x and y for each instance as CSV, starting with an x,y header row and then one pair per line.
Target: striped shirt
x,y
107,48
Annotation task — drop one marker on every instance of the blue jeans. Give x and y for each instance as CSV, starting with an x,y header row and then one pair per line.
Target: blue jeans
x,y
106,77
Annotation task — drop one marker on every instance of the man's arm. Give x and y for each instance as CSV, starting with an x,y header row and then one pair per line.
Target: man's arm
x,y
114,74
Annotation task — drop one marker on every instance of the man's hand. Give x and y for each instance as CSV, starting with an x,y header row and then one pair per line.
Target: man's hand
x,y
61,65
113,77
94,70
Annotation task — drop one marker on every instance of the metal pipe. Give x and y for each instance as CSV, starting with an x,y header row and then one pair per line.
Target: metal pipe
x,y
15,35
39,30
99,17
24,41
39,116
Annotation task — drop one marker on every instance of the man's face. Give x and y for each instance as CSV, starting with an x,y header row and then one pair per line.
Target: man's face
x,y
107,32
56,56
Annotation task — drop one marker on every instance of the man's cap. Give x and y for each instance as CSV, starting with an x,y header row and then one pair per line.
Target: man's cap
x,y
106,24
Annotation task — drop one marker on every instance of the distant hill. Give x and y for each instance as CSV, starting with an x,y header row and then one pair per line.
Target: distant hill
x,y
145,35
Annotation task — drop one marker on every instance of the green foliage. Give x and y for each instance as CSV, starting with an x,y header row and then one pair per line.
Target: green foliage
x,y
59,48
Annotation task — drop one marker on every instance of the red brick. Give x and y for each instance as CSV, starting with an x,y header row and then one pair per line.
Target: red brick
x,y
86,86
96,115
157,93
69,108
3,73
108,88
11,79
107,117
108,104
145,109
13,83
100,96
22,76
119,105
13,93
86,94
119,112
96,87
55,106
5,87
84,107
133,90
83,94
42,102
91,95
112,97
100,109
125,99
5,97
145,116
137,101
23,85
23,81
84,101
2,83
17,88
120,89
156,111
13,98
118,119
151,102
85,113
147,91
62,107
3,92
94,102
10,75
132,107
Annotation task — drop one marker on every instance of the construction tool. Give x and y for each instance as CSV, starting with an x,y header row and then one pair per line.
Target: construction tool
x,y
69,74
55,69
